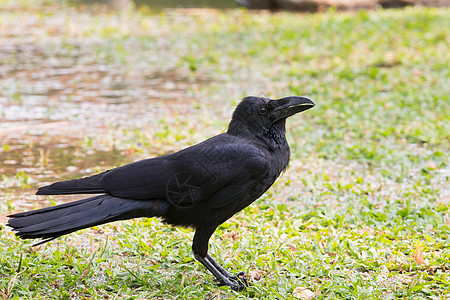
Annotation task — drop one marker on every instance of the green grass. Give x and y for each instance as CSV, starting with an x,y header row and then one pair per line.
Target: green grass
x,y
363,210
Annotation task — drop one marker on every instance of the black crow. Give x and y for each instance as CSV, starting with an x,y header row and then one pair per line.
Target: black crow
x,y
201,186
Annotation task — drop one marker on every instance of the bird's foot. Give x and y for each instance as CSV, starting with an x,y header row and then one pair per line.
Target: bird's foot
x,y
237,282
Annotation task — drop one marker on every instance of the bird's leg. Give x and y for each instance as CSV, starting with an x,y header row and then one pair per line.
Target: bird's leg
x,y
200,249
218,267
240,278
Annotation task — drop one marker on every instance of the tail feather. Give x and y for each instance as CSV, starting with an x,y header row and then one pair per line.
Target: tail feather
x,y
52,222
86,185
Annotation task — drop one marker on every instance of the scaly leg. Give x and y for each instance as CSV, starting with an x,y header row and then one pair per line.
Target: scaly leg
x,y
200,249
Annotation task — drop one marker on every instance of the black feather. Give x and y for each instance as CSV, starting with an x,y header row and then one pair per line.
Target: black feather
x,y
52,222
86,185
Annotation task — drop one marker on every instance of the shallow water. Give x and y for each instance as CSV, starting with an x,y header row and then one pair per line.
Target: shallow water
x,y
55,95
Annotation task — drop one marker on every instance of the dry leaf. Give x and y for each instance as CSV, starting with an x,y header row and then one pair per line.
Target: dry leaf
x,y
417,72
233,235
292,247
84,273
418,256
254,276
431,165
303,293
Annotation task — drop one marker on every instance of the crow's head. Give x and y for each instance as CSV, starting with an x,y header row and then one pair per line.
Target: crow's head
x,y
257,116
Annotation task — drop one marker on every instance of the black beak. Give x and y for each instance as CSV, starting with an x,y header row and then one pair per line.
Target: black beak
x,y
288,106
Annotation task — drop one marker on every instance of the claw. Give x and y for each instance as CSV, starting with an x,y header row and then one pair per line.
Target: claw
x,y
238,282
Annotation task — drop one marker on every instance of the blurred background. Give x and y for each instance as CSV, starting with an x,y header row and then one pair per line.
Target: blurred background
x,y
292,5
362,211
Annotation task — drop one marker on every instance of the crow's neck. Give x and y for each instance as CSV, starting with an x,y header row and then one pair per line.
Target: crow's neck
x,y
273,138
277,143
277,133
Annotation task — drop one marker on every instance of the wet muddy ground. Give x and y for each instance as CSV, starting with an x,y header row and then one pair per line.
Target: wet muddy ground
x,y
55,95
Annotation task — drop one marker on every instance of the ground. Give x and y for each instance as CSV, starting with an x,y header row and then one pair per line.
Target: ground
x,y
362,211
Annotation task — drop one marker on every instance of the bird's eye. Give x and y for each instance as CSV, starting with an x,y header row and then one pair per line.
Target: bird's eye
x,y
262,110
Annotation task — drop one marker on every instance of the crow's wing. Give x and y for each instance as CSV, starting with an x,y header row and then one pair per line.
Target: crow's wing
x,y
192,175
